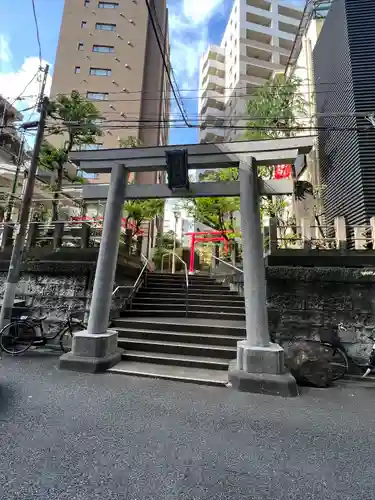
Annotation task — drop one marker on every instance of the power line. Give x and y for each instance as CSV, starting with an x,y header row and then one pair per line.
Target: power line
x,y
164,62
37,31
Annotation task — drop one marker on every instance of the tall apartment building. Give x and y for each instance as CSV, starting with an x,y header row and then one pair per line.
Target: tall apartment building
x,y
108,52
256,44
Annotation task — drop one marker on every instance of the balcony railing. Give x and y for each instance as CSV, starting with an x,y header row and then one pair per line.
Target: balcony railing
x,y
56,235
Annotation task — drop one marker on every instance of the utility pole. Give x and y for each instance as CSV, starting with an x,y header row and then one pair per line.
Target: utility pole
x,y
19,243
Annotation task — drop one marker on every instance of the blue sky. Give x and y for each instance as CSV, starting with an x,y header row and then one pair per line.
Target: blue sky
x,y
193,25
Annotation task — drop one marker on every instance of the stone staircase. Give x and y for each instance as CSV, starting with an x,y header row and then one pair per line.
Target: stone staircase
x,y
160,340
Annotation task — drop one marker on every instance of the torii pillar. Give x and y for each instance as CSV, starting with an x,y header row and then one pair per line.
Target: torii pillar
x,y
259,366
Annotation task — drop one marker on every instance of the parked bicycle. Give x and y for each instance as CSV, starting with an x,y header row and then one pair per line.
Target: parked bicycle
x,y
19,335
341,358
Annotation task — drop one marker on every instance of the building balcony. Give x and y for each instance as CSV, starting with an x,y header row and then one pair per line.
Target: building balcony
x,y
213,82
260,63
213,68
209,120
253,80
211,134
213,53
209,103
249,41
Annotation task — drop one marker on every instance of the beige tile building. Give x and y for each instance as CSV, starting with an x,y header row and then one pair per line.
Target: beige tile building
x,y
109,53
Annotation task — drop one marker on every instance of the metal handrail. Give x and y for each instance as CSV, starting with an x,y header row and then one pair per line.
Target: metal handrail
x,y
227,264
186,277
137,282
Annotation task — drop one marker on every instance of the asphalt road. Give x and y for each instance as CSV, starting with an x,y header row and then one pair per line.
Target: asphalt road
x,y
71,436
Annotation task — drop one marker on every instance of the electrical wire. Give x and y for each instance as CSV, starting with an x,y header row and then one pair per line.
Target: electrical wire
x,y
165,63
37,31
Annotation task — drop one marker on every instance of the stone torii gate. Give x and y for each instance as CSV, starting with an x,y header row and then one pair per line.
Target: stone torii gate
x,y
260,364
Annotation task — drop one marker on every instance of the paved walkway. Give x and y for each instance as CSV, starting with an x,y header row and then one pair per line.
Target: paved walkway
x,y
70,436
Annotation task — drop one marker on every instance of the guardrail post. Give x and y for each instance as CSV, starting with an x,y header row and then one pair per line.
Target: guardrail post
x,y
85,235
340,233
58,233
272,235
372,229
8,235
306,233
32,234
139,245
128,241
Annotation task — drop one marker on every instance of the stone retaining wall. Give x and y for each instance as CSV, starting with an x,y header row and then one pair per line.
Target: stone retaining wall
x,y
309,303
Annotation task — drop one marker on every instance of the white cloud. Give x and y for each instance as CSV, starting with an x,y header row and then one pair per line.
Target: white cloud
x,y
14,81
198,11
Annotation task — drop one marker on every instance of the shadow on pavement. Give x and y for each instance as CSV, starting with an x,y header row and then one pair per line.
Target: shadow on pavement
x,y
8,395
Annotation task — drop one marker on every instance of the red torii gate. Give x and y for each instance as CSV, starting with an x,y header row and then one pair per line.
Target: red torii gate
x,y
214,236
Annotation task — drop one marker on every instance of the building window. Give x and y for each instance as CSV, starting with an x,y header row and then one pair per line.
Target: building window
x,y
83,24
100,72
97,96
105,27
77,69
80,46
108,5
103,48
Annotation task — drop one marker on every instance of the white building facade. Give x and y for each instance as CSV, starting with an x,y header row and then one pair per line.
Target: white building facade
x,y
257,43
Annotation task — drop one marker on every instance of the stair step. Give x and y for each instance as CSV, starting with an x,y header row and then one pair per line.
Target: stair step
x,y
211,327
180,313
217,302
186,374
176,359
179,284
193,308
160,335
179,292
176,347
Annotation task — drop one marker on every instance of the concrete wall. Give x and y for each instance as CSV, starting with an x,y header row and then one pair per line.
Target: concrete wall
x,y
310,302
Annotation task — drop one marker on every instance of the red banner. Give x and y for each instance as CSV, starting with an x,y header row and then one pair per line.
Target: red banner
x,y
283,171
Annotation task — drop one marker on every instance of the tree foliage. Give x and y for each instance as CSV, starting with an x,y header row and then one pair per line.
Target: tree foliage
x,y
275,109
217,213
75,120
140,211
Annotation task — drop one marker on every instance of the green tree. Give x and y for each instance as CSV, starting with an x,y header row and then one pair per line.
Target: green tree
x,y
217,213
75,119
140,211
276,109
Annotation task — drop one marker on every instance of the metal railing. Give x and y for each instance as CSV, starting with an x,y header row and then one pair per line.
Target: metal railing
x,y
170,252
142,277
233,279
227,264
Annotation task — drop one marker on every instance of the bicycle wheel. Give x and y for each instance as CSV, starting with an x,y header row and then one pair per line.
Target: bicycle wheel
x,y
66,338
339,363
17,337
